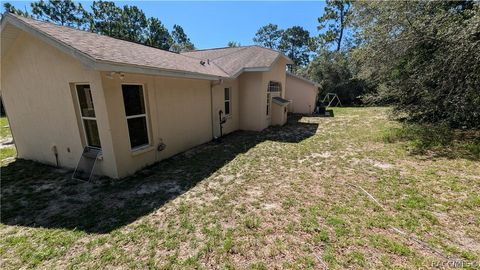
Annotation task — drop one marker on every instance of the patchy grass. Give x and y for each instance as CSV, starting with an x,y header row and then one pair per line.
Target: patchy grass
x,y
7,149
276,199
436,140
4,128
7,155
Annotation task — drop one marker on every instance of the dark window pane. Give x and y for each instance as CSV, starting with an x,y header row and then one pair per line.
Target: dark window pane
x,y
133,99
227,93
227,107
137,129
274,87
91,132
268,104
85,100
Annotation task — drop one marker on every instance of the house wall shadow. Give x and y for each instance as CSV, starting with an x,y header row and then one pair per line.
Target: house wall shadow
x,y
37,195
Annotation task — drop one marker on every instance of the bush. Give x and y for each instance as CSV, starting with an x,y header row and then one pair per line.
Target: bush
x,y
424,58
333,71
438,140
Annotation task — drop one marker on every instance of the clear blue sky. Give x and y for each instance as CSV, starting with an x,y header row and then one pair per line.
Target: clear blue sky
x,y
214,24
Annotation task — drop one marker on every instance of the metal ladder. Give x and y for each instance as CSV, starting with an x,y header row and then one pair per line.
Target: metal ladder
x,y
86,165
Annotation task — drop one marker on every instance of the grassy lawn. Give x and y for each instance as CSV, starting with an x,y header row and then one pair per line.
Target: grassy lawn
x,y
7,151
4,130
288,198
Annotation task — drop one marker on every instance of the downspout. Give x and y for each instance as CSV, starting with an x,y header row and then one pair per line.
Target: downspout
x,y
212,84
211,108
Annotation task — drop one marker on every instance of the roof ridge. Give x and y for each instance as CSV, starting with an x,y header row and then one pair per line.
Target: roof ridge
x,y
219,48
242,49
209,61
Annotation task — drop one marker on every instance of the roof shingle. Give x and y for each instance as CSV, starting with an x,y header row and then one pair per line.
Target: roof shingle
x,y
237,59
112,50
222,62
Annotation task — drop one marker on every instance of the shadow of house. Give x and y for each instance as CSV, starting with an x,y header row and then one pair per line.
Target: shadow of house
x,y
37,195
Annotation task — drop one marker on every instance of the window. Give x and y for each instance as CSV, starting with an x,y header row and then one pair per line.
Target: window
x,y
228,100
87,115
269,100
134,102
274,87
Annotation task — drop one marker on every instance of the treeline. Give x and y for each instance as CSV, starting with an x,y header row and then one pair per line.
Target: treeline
x,y
127,22
323,58
420,57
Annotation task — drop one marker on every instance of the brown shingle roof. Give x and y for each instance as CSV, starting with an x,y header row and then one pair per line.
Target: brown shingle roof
x,y
235,60
103,52
110,50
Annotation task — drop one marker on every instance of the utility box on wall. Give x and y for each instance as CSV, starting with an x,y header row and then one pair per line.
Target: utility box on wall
x,y
279,111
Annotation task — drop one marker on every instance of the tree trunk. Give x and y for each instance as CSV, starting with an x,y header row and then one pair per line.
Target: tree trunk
x,y
340,35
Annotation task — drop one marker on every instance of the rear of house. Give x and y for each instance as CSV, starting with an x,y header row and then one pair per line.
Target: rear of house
x,y
66,89
302,93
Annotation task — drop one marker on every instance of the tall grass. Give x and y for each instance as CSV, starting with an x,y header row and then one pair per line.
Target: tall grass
x,y
438,140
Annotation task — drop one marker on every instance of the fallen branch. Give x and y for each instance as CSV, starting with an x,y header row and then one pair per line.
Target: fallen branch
x,y
418,241
369,195
318,257
397,230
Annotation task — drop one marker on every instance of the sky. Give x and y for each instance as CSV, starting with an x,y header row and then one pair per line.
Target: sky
x,y
213,24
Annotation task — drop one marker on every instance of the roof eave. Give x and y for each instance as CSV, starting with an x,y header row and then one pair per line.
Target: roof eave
x,y
128,68
100,65
280,103
303,79
262,69
250,69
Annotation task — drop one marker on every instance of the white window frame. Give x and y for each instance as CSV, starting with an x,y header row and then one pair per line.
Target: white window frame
x,y
269,96
149,144
279,87
86,117
229,100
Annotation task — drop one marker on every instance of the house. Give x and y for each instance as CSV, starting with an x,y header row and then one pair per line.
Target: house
x,y
302,93
65,89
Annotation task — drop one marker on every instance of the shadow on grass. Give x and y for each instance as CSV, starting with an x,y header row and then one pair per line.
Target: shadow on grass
x,y
37,195
437,141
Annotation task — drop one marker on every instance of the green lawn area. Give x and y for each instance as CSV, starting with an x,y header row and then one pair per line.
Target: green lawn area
x,y
4,129
287,198
8,152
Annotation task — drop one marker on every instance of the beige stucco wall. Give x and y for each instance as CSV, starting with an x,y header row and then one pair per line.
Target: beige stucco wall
x,y
302,95
179,115
233,120
253,95
251,113
279,114
278,74
179,110
36,91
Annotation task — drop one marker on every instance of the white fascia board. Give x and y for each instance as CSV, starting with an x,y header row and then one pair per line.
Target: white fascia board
x,y
262,69
252,69
127,68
